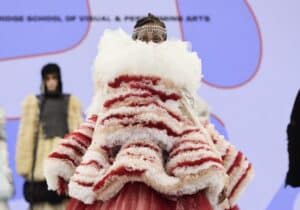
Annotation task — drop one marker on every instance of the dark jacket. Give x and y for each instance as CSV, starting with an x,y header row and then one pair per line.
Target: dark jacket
x,y
293,135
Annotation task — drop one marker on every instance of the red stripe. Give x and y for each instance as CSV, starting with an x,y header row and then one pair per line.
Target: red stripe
x,y
121,98
162,95
62,157
118,116
62,186
194,141
84,145
89,127
139,144
76,149
85,184
122,116
197,162
226,154
105,148
240,181
92,162
122,171
188,131
139,104
236,163
129,78
81,138
160,126
189,149
93,118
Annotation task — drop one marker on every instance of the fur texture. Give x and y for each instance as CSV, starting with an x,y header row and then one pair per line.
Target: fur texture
x,y
170,60
6,189
133,121
27,129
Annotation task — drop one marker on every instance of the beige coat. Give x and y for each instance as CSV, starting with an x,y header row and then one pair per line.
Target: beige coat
x,y
27,129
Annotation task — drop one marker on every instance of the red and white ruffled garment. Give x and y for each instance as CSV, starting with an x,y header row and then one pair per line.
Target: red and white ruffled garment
x,y
142,150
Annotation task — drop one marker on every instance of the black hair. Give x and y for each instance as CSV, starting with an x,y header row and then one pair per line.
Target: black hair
x,y
51,68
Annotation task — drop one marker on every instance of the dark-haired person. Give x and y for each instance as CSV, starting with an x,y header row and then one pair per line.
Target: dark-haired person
x,y
45,119
147,144
293,134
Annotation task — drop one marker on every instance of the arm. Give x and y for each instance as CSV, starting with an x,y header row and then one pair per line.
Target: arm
x,y
94,164
26,135
61,163
239,169
213,172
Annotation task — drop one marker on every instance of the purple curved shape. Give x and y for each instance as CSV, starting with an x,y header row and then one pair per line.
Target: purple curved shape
x,y
28,38
219,125
226,37
284,198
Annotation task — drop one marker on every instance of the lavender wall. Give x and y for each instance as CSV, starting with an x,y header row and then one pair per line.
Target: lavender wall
x,y
249,51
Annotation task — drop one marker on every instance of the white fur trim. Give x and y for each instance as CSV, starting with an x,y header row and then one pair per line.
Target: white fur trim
x,y
141,110
119,54
85,173
53,168
241,187
230,158
236,175
190,156
188,170
173,124
217,180
121,136
61,149
99,157
158,179
82,193
190,145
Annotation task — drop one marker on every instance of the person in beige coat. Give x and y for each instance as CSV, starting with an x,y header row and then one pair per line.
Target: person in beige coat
x,y
45,119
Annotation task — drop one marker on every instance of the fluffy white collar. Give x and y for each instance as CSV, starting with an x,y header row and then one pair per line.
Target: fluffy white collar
x,y
119,54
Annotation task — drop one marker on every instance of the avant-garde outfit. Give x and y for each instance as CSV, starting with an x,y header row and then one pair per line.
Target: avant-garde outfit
x,y
45,120
6,183
143,145
293,133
